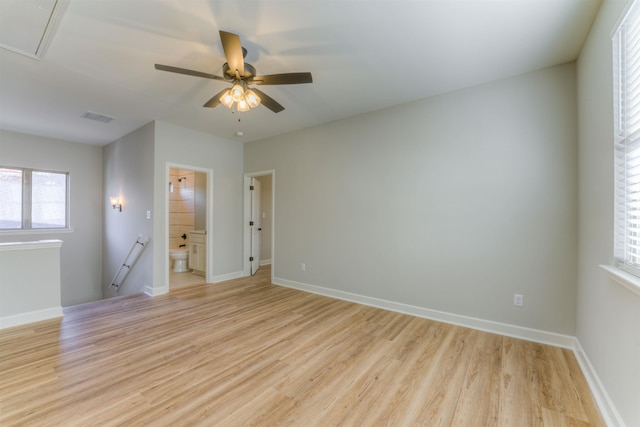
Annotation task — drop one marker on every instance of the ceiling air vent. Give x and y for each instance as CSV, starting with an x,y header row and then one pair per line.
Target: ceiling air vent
x,y
97,117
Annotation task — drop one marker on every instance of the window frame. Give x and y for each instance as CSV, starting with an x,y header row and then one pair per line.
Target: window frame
x,y
26,225
626,140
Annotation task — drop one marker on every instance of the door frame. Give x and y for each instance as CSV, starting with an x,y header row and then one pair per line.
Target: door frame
x,y
209,218
246,229
256,228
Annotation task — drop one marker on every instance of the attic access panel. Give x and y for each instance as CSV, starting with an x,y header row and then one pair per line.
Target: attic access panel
x,y
27,26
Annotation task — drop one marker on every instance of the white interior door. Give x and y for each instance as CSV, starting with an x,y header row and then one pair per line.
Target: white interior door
x,y
254,224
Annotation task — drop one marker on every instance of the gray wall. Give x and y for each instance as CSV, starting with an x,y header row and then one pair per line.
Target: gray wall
x,y
128,173
175,144
453,203
29,282
81,252
136,165
608,315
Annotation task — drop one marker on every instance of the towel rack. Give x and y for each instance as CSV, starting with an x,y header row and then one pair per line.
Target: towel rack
x,y
131,258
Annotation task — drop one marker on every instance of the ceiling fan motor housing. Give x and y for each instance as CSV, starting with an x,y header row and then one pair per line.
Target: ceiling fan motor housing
x,y
229,74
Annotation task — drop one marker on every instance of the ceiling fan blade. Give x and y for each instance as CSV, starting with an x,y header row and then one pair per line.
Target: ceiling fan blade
x,y
188,72
233,51
215,101
282,79
268,101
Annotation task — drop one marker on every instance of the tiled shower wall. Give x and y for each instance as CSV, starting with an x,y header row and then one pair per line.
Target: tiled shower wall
x,y
181,206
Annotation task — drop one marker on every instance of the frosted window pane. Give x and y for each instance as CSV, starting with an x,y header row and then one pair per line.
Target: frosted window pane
x,y
10,199
48,200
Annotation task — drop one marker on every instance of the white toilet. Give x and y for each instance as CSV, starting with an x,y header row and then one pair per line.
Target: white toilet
x,y
179,257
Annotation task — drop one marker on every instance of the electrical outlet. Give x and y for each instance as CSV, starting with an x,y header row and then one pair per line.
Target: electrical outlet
x,y
148,214
518,300
303,267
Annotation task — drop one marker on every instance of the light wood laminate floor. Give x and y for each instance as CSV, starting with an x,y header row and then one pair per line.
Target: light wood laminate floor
x,y
185,278
245,352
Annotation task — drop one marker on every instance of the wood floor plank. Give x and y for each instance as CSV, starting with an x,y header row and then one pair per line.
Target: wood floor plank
x,y
519,397
415,378
481,383
245,352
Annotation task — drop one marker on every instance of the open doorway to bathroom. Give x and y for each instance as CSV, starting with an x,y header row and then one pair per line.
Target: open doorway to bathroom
x,y
187,219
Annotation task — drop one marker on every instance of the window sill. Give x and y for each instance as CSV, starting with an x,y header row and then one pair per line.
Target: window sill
x,y
35,231
623,278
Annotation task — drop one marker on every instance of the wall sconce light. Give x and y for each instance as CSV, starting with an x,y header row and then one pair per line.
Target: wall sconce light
x,y
115,203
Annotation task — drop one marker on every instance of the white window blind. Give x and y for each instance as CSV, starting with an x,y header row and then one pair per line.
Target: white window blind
x,y
626,43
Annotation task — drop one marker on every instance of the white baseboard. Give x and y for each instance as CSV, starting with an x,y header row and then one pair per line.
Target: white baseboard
x,y
227,276
29,317
265,262
535,335
153,291
606,406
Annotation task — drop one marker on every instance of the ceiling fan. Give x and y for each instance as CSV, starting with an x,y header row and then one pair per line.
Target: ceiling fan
x,y
241,74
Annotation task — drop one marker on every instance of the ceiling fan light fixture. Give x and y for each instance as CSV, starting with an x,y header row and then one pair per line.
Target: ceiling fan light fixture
x,y
243,105
237,92
252,99
226,99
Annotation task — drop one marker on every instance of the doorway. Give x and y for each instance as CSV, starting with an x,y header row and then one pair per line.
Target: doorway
x,y
189,208
259,220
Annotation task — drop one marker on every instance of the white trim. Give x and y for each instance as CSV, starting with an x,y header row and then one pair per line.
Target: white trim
x,y
621,277
265,262
30,317
621,18
535,335
29,246
209,217
600,395
48,32
228,276
36,231
246,245
606,406
154,291
246,235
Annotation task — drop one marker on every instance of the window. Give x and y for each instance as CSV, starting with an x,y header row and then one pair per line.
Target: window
x,y
33,199
626,44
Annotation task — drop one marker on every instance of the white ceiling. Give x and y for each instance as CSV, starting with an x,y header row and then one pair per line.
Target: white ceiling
x,y
364,56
